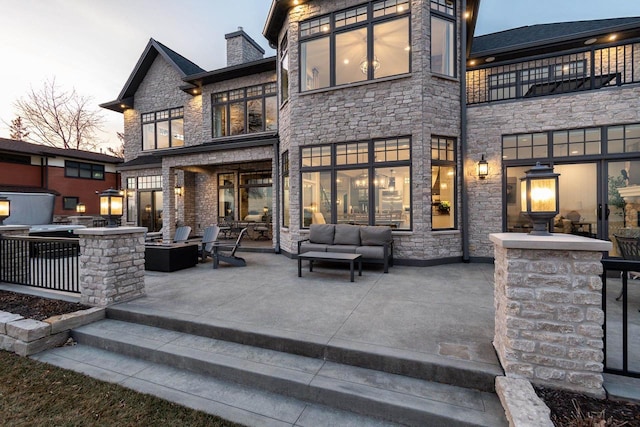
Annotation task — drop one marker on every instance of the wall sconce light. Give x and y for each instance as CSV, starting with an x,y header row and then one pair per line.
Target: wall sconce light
x,y
177,190
539,191
147,209
81,208
483,168
5,209
111,202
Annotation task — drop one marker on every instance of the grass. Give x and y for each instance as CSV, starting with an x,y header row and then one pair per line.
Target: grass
x,y
37,394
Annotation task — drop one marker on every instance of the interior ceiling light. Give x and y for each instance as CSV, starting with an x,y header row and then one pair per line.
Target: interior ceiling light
x,y
612,37
591,41
472,62
490,59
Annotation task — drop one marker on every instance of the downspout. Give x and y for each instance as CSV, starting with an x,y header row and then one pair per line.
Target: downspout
x,y
275,226
463,135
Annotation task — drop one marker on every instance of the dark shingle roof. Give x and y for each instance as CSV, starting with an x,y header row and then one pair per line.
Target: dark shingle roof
x,y
542,34
187,67
22,147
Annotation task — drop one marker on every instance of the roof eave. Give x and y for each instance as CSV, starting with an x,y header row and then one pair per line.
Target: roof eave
x,y
228,73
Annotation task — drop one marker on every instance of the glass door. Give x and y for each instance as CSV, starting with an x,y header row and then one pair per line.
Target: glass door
x,y
150,210
623,200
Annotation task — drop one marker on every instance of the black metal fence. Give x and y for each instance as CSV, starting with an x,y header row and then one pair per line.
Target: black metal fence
x,y
44,262
581,70
620,303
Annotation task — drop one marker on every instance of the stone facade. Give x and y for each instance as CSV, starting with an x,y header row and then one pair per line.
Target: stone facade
x,y
111,265
488,122
548,296
418,104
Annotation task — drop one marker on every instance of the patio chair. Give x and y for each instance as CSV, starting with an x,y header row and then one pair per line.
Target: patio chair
x,y
263,229
182,234
208,240
227,253
630,250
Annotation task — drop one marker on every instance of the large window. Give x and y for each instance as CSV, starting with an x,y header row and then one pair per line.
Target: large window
x,y
366,42
226,196
286,204
83,170
443,182
443,46
163,129
284,69
255,196
367,182
131,198
246,110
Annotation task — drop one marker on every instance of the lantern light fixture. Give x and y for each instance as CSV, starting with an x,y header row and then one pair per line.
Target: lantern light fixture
x,y
81,208
5,209
111,203
483,168
539,190
177,190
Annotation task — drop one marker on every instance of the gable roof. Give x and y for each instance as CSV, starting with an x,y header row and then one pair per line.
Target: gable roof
x,y
154,48
531,39
21,147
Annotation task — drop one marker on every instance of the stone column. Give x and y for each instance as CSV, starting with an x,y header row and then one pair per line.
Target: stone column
x,y
547,299
111,264
87,221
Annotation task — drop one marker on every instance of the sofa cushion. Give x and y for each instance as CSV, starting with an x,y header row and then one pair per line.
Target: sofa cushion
x,y
371,235
308,247
321,233
343,249
347,234
371,252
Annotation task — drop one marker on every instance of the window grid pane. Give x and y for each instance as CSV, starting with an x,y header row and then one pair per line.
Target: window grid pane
x,y
444,6
389,7
352,16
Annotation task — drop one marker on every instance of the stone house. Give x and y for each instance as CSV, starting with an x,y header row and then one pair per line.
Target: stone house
x,y
379,112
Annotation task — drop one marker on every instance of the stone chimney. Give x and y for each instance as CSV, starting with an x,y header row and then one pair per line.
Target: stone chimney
x,y
241,48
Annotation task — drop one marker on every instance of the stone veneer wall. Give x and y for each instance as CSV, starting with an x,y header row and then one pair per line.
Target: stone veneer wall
x,y
242,49
548,324
111,264
488,122
418,104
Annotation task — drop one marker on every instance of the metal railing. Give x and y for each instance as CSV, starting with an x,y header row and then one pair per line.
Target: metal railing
x,y
589,69
43,262
621,348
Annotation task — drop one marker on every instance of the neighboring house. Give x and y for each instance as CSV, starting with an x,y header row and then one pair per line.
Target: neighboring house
x,y
363,116
71,176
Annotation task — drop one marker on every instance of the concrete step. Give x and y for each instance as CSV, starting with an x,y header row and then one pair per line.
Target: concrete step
x,y
244,405
429,367
365,392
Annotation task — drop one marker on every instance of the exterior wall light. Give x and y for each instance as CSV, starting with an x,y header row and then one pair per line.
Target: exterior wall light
x,y
177,190
111,202
81,208
5,209
539,191
483,168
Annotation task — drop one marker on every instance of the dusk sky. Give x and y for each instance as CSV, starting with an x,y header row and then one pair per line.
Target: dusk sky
x,y
93,46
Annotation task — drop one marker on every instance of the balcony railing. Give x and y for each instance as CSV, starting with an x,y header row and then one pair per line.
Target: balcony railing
x,y
578,71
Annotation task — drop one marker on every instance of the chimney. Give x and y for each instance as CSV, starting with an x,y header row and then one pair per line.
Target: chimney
x,y
241,48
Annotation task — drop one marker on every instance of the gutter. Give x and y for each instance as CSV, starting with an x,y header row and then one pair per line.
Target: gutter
x,y
463,138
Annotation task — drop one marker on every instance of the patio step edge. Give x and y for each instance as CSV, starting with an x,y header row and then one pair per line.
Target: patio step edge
x,y
429,367
319,384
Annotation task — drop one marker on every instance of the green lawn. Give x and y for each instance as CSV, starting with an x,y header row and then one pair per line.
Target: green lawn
x,y
37,394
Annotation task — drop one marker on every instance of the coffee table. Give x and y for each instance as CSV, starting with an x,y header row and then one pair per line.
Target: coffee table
x,y
330,256
170,256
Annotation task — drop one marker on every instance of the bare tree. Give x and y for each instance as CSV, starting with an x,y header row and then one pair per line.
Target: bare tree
x,y
18,130
119,150
59,118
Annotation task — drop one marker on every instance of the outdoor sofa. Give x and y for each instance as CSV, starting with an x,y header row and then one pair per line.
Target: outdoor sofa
x,y
375,243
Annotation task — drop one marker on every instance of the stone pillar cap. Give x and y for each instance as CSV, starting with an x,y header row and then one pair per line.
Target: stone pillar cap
x,y
556,242
109,231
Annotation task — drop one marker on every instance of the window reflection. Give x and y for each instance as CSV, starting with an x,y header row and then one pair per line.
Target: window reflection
x,y
314,64
442,47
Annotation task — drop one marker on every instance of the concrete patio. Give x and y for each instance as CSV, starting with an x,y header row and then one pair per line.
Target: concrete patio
x,y
412,318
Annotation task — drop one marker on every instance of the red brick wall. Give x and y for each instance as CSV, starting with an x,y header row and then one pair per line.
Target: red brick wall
x,y
16,174
84,189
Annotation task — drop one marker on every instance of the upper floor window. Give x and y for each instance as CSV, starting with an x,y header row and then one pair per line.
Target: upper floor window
x,y
366,42
443,40
246,110
284,69
83,170
163,129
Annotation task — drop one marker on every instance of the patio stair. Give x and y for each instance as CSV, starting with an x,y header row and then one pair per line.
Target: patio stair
x,y
255,379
